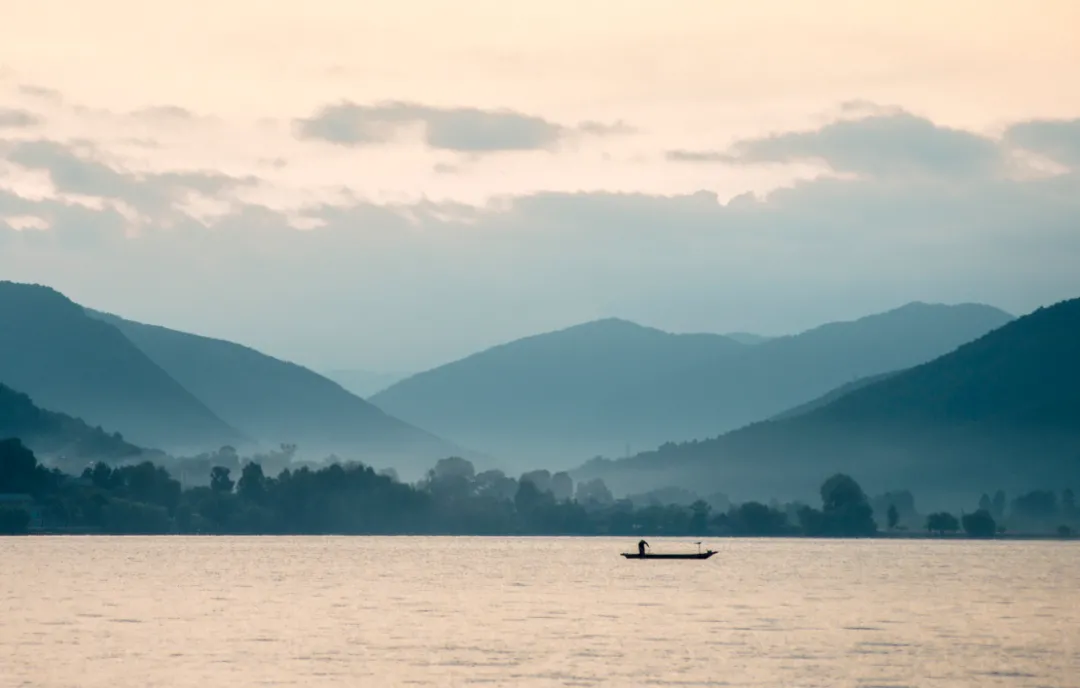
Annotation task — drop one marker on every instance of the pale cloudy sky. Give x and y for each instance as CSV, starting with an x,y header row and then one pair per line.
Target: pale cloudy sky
x,y
393,185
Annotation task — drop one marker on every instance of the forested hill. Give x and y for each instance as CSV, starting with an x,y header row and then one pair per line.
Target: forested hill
x,y
1001,411
59,436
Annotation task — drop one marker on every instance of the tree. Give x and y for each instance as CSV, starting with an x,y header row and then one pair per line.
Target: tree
x,y
220,481
699,517
100,476
390,473
494,484
840,491
902,500
942,522
14,521
562,486
893,516
20,471
845,509
1037,508
755,518
540,478
811,521
594,492
979,524
148,484
252,483
453,466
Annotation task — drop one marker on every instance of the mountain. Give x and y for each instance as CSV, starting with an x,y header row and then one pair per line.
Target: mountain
x,y
1002,411
533,399
364,383
596,388
747,338
276,401
72,363
57,437
777,375
833,395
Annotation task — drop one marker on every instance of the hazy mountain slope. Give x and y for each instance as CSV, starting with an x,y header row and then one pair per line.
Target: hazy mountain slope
x,y
831,396
364,383
534,399
275,401
596,388
56,435
75,364
704,400
1001,411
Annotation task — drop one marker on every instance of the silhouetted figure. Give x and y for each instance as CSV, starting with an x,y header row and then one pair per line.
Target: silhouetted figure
x,y
641,545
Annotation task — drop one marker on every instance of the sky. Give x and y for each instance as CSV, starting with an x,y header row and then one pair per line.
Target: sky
x,y
390,186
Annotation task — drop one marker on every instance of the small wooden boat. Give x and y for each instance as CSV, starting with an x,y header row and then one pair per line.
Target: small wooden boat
x,y
695,555
648,555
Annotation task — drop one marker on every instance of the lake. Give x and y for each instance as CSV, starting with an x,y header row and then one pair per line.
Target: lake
x,y
415,611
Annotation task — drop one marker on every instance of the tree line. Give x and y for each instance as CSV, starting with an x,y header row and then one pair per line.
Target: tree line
x,y
453,499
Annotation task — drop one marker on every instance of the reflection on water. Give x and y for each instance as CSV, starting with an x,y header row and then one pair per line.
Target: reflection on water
x,y
206,612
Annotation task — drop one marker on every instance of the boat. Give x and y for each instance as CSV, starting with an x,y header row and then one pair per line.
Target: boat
x,y
695,555
649,555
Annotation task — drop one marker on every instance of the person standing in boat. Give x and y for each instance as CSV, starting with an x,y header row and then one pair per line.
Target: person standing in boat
x,y
641,545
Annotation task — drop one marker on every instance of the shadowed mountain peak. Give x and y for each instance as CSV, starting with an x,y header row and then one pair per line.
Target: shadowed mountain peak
x,y
72,363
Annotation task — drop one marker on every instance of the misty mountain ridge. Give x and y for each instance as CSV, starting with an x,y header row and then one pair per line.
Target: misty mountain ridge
x,y
595,388
56,437
69,362
276,401
1002,411
542,389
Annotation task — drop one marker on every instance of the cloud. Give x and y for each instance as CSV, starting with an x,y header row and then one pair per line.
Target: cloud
x,y
164,113
1056,139
889,143
700,156
41,93
463,130
18,119
602,129
75,169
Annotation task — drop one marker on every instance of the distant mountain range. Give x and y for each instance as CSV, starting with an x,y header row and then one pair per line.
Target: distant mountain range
x,y
535,400
280,402
556,398
187,394
1002,411
67,361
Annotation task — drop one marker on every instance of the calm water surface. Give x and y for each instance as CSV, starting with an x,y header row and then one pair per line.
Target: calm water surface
x,y
207,612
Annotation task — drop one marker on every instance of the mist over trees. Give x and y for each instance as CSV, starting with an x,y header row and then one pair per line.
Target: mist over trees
x,y
453,498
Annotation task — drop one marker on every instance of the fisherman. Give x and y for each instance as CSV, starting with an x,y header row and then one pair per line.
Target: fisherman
x,y
641,545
